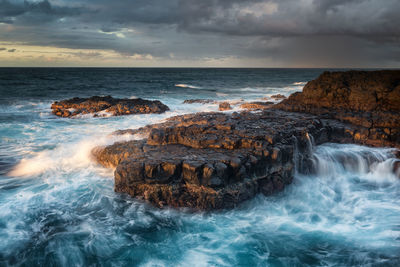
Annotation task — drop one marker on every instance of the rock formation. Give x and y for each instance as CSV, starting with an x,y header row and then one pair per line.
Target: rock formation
x,y
258,105
278,96
224,106
102,105
366,98
212,161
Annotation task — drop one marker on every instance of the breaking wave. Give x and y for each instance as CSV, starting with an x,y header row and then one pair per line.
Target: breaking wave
x,y
299,83
183,85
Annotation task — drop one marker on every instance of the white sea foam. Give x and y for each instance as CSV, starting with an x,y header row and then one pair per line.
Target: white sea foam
x,y
221,94
66,156
183,85
75,154
104,113
253,89
299,83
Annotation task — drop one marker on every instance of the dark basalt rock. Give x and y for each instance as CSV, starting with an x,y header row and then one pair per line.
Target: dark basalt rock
x,y
396,168
214,160
366,98
114,106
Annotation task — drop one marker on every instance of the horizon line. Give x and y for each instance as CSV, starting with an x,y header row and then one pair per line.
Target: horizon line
x,y
163,67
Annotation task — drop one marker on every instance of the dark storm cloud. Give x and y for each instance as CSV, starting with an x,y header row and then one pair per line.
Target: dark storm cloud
x,y
293,18
8,9
252,17
33,12
358,31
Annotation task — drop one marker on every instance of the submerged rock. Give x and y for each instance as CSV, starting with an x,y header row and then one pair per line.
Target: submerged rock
x,y
365,98
102,105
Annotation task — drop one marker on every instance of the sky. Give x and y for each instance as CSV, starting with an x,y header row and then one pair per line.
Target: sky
x,y
200,33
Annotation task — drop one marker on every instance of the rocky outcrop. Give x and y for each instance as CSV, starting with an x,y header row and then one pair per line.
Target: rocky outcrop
x,y
106,105
214,160
227,105
224,106
365,98
258,105
278,96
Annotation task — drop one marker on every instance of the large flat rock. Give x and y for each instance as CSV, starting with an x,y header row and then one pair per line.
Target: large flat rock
x,y
214,160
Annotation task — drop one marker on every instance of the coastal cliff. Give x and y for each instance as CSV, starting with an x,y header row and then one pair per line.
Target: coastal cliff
x,y
370,99
211,161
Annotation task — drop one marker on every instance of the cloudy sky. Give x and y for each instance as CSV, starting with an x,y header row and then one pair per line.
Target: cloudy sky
x,y
217,33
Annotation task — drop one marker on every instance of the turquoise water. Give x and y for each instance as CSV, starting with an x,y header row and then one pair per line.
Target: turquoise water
x,y
58,208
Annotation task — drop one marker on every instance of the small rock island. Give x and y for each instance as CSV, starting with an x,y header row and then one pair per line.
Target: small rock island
x,y
211,161
106,105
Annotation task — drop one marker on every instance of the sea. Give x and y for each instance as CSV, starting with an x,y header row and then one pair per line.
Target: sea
x,y
58,207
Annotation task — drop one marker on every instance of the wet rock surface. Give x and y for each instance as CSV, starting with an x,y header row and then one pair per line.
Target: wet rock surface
x,y
106,105
365,98
224,106
257,105
213,161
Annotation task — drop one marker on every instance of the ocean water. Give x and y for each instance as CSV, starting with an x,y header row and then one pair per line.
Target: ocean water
x,y
58,207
